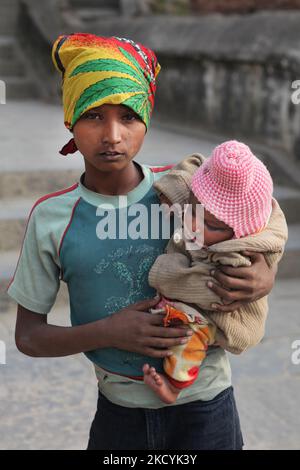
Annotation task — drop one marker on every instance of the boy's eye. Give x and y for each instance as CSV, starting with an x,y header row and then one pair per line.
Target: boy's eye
x,y
93,116
130,117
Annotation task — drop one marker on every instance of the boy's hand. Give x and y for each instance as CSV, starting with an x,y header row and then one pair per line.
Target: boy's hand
x,y
164,200
136,330
244,284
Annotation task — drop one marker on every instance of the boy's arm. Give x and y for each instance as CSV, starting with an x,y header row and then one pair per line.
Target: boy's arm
x,y
132,329
237,330
244,327
36,338
174,277
241,329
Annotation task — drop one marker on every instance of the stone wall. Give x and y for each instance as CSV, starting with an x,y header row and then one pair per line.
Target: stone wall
x,y
230,75
226,74
241,6
174,7
8,16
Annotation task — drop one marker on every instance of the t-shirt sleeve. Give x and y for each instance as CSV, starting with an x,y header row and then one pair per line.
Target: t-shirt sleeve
x,y
37,277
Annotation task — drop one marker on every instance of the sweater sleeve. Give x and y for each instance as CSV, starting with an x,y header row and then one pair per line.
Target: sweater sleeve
x,y
236,331
174,277
175,185
241,329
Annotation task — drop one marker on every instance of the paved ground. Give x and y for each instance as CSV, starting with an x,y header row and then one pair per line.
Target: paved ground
x,y
266,382
33,132
49,403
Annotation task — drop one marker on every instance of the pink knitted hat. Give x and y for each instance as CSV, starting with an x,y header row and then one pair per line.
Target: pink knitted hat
x,y
235,187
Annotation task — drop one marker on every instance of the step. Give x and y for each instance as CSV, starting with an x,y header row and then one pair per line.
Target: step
x,y
289,200
13,217
34,184
8,13
14,214
31,135
8,27
11,3
9,6
20,88
95,14
8,263
34,146
8,17
95,3
7,47
14,211
10,67
289,268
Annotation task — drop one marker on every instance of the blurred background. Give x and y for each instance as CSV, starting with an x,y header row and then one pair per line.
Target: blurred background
x,y
230,70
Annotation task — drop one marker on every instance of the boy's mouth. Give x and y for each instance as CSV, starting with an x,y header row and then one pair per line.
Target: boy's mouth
x,y
111,155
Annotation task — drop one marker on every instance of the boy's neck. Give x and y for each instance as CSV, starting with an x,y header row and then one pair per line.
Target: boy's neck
x,y
113,183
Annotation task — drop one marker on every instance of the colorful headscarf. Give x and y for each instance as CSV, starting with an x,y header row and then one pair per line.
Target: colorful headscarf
x,y
98,70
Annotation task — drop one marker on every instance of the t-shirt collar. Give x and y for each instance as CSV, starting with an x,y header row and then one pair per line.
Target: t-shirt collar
x,y
125,200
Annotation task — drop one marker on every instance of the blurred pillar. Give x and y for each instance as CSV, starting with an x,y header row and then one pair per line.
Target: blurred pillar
x,y
135,7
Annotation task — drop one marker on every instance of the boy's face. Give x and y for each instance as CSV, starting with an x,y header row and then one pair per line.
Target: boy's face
x,y
215,231
109,136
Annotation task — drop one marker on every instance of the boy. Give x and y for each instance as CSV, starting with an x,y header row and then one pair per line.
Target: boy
x,y
108,96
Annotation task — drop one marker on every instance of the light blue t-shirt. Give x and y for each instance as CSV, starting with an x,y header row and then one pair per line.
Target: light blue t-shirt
x,y
64,241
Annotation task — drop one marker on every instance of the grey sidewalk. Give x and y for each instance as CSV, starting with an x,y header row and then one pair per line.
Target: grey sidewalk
x,y
32,133
49,403
267,383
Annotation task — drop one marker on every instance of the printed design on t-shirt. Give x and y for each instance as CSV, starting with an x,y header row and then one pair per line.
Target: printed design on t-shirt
x,y
130,266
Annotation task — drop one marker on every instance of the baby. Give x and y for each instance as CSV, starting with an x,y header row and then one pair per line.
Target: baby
x,y
235,189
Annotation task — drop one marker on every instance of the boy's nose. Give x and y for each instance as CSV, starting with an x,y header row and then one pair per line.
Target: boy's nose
x,y
111,133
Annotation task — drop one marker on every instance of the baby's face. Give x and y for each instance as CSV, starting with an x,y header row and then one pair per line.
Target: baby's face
x,y
215,231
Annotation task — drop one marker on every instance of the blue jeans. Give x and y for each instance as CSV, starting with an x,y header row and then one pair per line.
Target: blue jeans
x,y
198,425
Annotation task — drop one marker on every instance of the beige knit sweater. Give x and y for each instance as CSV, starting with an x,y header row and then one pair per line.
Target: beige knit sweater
x,y
182,275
